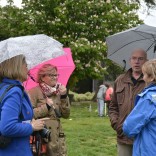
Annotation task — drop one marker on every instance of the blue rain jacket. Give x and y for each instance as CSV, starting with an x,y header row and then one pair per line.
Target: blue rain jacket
x,y
141,123
11,124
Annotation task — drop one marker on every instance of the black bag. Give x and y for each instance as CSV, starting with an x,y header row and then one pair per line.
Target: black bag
x,y
5,141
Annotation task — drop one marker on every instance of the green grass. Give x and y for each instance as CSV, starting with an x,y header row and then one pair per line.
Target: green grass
x,y
87,134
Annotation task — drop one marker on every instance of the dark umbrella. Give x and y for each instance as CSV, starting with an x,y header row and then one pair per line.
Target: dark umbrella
x,y
121,45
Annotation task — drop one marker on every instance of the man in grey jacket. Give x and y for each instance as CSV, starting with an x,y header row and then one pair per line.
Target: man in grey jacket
x,y
100,99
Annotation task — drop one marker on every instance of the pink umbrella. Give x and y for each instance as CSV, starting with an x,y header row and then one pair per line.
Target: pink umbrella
x,y
64,64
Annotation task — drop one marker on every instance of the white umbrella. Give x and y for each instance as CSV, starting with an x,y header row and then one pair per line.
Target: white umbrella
x,y
121,45
36,48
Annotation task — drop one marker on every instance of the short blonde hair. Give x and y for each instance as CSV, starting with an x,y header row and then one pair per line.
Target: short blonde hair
x,y
149,68
12,68
45,69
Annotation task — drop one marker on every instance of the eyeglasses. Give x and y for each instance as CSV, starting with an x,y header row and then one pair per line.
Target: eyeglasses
x,y
138,59
53,75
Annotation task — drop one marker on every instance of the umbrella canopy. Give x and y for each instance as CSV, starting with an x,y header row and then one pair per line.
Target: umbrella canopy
x,y
121,45
64,64
36,48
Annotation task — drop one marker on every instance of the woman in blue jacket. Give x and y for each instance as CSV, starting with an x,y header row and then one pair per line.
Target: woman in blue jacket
x,y
16,111
141,122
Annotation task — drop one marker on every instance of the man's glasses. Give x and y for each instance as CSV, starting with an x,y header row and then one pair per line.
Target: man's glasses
x,y
53,75
138,59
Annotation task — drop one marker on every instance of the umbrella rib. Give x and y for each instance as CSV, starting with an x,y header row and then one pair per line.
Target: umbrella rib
x,y
154,37
137,32
127,44
151,40
150,47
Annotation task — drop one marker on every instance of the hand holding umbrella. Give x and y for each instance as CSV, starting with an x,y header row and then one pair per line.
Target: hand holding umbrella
x,y
50,103
62,90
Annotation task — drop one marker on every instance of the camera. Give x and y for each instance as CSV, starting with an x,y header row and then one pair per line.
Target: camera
x,y
45,133
38,140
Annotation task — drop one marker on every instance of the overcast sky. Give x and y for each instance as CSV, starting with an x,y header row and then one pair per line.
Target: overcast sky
x,y
148,19
148,16
16,2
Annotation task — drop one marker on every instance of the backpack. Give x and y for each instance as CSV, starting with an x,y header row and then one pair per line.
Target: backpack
x,y
5,141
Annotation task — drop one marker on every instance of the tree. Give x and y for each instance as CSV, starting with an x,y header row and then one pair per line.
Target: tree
x,y
13,22
149,3
82,25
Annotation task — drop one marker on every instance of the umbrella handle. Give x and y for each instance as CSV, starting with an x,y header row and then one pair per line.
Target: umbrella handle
x,y
124,61
31,77
57,112
154,48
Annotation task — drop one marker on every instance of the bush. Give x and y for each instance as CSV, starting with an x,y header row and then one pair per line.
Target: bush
x,y
88,96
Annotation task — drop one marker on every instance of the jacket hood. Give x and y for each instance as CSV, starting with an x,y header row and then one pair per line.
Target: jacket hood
x,y
101,86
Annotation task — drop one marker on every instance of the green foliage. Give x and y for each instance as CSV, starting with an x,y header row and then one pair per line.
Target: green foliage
x,y
82,25
13,22
113,71
88,96
87,134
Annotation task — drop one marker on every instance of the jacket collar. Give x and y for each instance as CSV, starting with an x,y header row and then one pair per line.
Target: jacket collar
x,y
128,76
151,87
11,81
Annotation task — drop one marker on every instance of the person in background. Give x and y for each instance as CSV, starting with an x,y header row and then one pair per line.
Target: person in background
x,y
108,95
141,122
100,99
50,99
16,112
126,87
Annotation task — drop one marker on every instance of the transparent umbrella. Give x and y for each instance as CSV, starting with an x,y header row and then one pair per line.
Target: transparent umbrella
x,y
36,48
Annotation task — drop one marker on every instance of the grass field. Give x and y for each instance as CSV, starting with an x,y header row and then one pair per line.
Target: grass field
x,y
87,134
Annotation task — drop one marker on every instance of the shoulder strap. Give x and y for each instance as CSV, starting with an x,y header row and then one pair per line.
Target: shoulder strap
x,y
4,93
2,85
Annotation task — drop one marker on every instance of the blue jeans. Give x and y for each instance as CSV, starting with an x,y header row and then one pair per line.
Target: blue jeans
x,y
100,106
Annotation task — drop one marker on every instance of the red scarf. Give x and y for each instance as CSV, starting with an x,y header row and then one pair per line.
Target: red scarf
x,y
48,90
